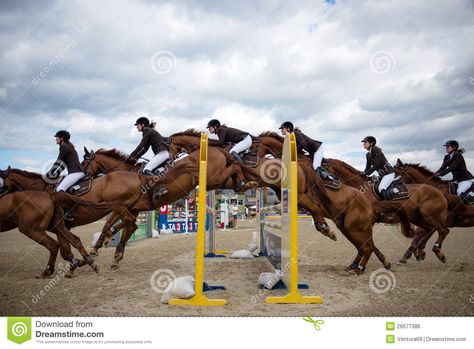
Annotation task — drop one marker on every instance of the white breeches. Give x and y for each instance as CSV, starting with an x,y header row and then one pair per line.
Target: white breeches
x,y
243,145
1,182
157,160
386,181
463,186
318,157
69,180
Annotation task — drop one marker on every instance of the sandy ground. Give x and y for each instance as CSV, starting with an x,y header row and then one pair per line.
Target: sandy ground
x,y
427,288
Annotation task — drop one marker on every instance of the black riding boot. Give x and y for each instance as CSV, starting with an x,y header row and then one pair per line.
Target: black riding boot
x,y
237,157
148,173
383,194
159,191
68,215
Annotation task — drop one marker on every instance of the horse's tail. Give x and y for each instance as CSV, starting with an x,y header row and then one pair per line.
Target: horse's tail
x,y
63,199
316,185
381,206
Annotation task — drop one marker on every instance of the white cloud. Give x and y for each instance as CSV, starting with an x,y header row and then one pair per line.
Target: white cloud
x,y
253,65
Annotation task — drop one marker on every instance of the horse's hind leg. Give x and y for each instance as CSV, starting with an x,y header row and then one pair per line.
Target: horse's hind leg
x,y
354,265
127,232
382,258
443,232
76,242
108,231
365,246
42,238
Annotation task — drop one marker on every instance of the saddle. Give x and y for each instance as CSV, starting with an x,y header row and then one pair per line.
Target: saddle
x,y
397,190
249,157
81,187
467,197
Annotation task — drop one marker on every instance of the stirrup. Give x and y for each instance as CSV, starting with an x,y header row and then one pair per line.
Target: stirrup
x,y
67,216
160,191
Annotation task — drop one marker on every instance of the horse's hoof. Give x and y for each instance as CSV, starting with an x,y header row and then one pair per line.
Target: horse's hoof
x,y
93,254
114,266
81,263
388,266
401,262
69,274
45,274
94,267
420,256
332,236
441,257
355,272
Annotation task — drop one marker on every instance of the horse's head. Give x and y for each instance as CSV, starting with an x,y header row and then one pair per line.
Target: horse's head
x,y
270,143
89,164
15,180
187,141
415,173
105,161
348,174
402,169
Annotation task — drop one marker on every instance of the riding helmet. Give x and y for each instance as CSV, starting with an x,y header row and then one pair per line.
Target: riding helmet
x,y
288,125
63,134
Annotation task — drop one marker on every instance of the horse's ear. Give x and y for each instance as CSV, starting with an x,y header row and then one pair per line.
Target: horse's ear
x,y
9,168
399,163
92,153
86,152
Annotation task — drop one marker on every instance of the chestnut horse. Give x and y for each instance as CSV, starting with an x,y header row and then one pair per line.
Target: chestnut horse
x,y
353,212
426,206
35,212
123,189
188,141
459,215
180,180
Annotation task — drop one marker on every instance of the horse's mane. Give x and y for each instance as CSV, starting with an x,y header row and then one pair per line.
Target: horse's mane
x,y
346,165
116,154
426,172
27,174
273,135
188,132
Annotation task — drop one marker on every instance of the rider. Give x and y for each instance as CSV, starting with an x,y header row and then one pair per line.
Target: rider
x,y
313,147
151,138
454,162
67,159
242,140
376,161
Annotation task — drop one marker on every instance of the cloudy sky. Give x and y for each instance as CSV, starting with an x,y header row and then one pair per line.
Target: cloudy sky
x,y
402,71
